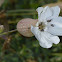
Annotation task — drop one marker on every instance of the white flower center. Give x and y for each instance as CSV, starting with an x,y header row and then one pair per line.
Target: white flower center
x,y
42,26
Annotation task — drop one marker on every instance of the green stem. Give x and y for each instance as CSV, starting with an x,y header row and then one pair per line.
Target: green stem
x,y
8,32
21,10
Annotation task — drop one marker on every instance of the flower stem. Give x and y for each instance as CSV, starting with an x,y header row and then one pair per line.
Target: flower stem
x,y
8,32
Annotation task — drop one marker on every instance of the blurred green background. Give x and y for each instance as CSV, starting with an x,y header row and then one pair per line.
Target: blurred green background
x,y
17,48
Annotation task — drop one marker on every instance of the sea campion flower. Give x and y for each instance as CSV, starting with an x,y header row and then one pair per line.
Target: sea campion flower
x,y
48,27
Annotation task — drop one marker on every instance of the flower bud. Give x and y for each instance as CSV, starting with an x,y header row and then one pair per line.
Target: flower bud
x,y
24,26
1,28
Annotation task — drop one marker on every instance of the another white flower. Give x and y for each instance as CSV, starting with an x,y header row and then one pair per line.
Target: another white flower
x,y
48,27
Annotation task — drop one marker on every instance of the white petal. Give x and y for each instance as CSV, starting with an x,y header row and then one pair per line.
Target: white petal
x,y
45,39
39,10
55,39
45,14
42,41
56,29
55,12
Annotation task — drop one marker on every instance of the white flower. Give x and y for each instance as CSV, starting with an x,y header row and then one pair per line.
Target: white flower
x,y
48,27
